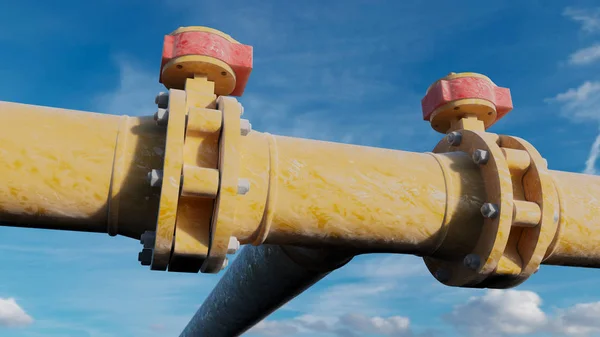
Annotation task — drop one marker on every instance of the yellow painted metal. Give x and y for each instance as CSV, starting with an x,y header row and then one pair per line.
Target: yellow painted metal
x,y
314,193
73,170
172,167
178,70
222,222
578,240
200,156
85,171
199,182
490,246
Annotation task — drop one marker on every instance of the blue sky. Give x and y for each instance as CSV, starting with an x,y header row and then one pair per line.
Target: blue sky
x,y
349,71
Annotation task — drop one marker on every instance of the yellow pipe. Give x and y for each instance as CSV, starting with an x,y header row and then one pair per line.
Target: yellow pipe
x,y
315,193
578,239
72,170
65,169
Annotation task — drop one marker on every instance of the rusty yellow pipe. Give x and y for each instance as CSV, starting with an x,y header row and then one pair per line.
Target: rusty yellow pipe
x,y
315,193
73,170
578,240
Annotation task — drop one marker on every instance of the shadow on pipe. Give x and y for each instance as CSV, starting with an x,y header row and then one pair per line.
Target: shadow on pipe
x,y
259,281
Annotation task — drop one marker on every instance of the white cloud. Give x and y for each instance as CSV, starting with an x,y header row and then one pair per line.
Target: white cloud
x,y
134,94
499,313
588,18
581,104
590,163
514,312
12,315
347,325
390,326
586,55
579,320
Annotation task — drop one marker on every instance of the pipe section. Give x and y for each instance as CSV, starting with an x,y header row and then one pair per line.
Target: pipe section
x,y
578,240
259,281
74,170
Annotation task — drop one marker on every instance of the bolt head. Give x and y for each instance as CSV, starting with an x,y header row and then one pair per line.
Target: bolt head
x,y
145,257
147,239
225,263
245,127
243,186
162,100
155,178
472,261
454,138
234,245
162,116
480,157
489,210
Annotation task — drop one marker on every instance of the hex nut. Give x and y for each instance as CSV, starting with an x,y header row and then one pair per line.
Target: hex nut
x,y
225,263
489,210
480,157
147,239
245,127
145,257
234,245
454,138
162,100
472,261
155,178
243,186
162,117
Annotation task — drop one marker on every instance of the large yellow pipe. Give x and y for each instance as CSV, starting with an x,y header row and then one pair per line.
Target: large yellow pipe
x,y
74,170
578,240
64,169
315,193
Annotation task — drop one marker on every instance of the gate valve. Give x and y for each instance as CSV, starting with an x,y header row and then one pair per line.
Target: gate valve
x,y
461,95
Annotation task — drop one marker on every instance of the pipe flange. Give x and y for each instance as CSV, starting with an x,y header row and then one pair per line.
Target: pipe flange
x,y
534,242
490,247
222,222
169,195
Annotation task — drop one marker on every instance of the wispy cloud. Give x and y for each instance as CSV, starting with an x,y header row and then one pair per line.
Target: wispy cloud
x,y
586,55
348,325
134,93
588,18
581,104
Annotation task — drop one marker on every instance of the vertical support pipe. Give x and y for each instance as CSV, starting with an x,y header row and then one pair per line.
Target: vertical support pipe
x,y
259,281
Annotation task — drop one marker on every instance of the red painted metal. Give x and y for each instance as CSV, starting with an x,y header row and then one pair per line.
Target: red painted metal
x,y
238,56
445,91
